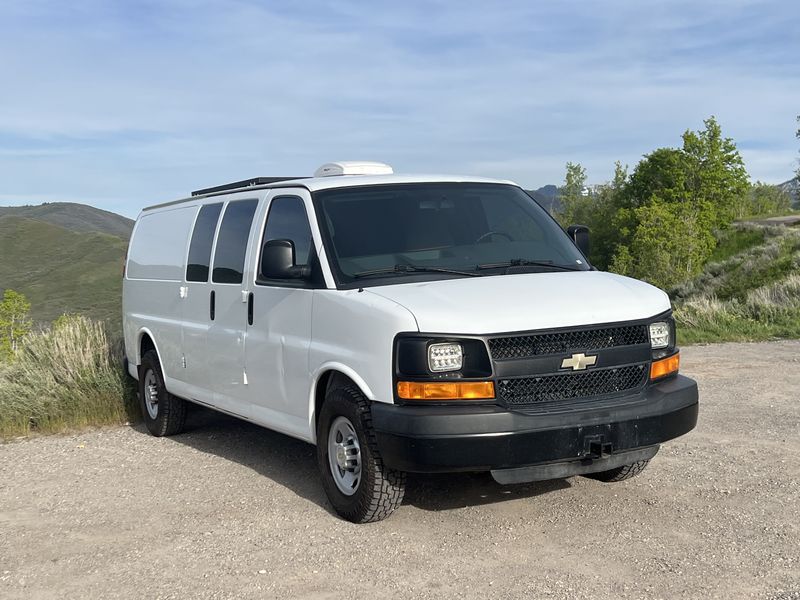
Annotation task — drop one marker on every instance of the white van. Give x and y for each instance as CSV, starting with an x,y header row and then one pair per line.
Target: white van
x,y
401,324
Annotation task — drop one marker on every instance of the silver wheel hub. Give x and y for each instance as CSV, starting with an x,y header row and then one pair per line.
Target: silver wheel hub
x,y
151,394
344,455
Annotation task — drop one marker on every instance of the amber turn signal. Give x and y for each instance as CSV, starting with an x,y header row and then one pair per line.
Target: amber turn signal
x,y
450,390
665,366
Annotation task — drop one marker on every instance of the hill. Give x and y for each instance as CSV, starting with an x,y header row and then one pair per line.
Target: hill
x,y
74,217
792,187
62,269
748,291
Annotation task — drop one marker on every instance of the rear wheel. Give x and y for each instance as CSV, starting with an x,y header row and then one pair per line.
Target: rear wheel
x,y
358,485
620,473
163,413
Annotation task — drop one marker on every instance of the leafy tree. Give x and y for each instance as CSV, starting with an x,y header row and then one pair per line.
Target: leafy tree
x,y
15,322
665,173
598,212
675,199
718,176
765,199
670,244
571,195
657,223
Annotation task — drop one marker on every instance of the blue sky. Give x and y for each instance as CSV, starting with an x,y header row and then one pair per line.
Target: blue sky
x,y
122,104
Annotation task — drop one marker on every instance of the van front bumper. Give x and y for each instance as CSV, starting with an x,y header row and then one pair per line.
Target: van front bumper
x,y
481,438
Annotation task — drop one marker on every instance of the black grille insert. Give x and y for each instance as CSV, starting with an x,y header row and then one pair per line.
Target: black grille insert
x,y
565,386
526,346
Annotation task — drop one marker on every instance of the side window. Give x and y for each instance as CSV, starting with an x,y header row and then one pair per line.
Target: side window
x,y
202,239
232,241
287,220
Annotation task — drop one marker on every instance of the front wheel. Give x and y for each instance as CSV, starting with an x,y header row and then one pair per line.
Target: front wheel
x,y
358,485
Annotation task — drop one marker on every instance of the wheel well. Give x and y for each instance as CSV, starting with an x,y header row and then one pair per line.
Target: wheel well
x,y
326,381
145,345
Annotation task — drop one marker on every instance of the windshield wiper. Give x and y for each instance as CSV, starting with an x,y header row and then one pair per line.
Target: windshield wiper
x,y
402,268
524,262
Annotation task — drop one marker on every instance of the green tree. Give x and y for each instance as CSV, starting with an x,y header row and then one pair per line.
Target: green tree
x,y
598,212
657,223
670,244
15,322
766,199
673,201
717,174
571,196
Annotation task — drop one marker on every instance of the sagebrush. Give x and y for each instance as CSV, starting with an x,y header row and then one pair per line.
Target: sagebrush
x,y
751,295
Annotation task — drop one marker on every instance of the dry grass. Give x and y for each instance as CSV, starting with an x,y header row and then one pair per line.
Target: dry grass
x,y
767,312
752,294
67,376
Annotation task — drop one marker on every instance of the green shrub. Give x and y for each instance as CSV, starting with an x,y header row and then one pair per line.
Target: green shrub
x,y
67,376
737,239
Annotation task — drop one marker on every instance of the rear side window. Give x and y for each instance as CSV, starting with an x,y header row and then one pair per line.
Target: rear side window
x,y
202,239
232,241
158,247
287,220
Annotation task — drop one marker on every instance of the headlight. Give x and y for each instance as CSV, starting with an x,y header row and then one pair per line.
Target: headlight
x,y
659,334
445,357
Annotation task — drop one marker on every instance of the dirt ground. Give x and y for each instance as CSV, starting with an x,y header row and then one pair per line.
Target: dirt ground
x,y
229,510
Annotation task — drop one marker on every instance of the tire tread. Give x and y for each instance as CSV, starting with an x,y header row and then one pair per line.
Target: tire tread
x,y
620,473
387,485
171,409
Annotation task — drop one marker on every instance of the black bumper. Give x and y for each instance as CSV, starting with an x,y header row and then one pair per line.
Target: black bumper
x,y
479,438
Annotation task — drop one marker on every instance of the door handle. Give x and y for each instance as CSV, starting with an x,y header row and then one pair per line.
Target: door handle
x,y
250,308
212,304
183,291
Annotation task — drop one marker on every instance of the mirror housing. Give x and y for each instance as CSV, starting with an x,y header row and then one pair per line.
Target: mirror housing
x,y
580,235
278,261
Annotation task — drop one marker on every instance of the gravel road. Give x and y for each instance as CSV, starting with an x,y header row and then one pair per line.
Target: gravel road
x,y
229,510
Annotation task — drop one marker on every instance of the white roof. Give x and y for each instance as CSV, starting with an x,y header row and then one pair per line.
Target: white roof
x,y
314,184
325,183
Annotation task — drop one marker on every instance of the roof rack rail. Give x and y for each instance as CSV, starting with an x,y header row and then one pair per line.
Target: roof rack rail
x,y
243,184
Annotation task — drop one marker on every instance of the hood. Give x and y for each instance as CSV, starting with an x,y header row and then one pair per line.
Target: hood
x,y
522,302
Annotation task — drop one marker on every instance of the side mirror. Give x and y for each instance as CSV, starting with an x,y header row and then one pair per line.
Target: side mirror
x,y
580,235
278,261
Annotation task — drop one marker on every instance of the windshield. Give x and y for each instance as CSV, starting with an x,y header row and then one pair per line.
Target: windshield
x,y
440,230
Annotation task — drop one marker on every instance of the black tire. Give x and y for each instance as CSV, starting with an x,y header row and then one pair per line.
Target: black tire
x,y
170,410
380,490
620,473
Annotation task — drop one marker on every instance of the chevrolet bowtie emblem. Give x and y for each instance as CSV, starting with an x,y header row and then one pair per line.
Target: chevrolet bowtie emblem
x,y
578,362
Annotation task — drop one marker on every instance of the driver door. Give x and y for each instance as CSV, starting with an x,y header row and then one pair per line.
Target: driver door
x,y
279,323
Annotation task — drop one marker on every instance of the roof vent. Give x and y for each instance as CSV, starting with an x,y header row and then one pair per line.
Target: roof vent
x,y
353,167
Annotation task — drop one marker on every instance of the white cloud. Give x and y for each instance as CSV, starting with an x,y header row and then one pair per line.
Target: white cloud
x,y
139,104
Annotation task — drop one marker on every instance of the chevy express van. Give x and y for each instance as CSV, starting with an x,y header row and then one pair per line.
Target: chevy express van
x,y
401,324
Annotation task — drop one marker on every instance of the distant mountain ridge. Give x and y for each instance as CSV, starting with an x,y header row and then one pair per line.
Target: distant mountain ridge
x,y
792,187
65,258
72,216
